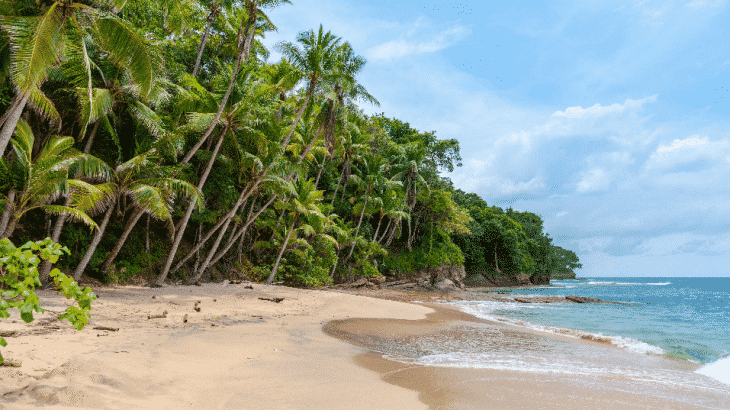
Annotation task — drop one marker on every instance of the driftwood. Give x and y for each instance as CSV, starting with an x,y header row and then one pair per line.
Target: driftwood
x,y
277,300
111,329
162,316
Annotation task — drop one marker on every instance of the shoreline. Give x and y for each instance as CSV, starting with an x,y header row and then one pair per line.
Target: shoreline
x,y
460,387
243,352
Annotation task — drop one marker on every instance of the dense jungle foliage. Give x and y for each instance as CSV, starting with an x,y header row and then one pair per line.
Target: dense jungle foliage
x,y
156,139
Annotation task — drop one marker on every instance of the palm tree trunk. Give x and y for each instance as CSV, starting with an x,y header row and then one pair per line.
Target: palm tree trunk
x,y
227,217
375,235
94,243
334,267
55,236
242,232
8,213
359,223
118,246
310,91
385,232
13,115
242,58
281,253
11,227
342,175
319,174
199,272
90,141
147,235
197,253
189,212
203,41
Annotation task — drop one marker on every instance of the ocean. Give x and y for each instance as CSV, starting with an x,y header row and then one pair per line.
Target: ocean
x,y
673,331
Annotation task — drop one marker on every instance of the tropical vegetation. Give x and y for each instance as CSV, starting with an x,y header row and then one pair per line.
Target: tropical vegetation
x,y
166,129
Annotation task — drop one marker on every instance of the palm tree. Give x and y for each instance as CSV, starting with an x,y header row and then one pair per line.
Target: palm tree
x,y
304,201
215,9
371,176
408,165
34,183
244,41
41,42
151,189
316,59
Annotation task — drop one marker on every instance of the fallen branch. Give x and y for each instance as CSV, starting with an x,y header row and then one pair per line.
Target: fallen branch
x,y
111,329
162,316
277,300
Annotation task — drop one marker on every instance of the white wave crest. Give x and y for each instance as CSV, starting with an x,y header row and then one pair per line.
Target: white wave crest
x,y
719,370
484,310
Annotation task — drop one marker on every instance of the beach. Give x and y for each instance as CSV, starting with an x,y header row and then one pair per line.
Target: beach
x,y
313,349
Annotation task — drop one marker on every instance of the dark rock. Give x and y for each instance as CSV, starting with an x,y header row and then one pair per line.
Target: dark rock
x,y
446,285
540,279
582,299
546,299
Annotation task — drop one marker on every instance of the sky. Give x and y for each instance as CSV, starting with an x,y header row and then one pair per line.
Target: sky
x,y
610,119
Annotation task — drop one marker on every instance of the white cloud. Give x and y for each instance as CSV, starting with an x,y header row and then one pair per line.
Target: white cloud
x,y
683,151
594,180
599,110
406,45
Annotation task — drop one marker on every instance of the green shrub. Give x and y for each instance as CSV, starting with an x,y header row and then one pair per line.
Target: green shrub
x,y
19,278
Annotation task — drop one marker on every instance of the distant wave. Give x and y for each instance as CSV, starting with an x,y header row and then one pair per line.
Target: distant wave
x,y
628,283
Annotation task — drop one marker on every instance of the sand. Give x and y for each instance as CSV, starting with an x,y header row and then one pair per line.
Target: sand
x,y
313,350
238,352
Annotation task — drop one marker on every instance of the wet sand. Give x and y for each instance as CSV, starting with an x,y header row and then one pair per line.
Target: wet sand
x,y
472,388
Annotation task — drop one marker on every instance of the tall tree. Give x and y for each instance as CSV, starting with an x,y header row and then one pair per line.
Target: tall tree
x,y
40,42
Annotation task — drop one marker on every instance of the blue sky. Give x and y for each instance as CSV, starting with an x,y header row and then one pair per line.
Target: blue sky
x,y
610,119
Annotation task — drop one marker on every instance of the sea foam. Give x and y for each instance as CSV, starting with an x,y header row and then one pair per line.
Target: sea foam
x,y
719,370
483,310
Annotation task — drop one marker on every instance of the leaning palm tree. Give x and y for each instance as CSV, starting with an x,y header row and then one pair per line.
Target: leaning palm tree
x,y
304,201
34,183
151,189
41,42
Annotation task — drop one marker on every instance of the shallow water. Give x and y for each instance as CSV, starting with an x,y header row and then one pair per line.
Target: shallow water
x,y
671,332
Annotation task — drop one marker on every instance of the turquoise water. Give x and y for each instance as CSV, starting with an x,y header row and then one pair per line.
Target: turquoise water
x,y
671,337
687,318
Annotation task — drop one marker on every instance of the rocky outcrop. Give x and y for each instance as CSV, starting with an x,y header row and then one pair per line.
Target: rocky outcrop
x,y
540,279
567,275
485,279
546,299
582,299
560,299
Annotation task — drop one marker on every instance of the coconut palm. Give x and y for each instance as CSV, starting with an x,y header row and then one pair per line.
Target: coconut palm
x,y
304,201
315,58
244,41
408,166
150,188
37,182
241,114
370,175
40,42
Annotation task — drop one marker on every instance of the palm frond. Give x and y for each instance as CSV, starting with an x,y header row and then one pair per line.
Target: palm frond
x,y
74,214
44,107
91,199
128,49
37,44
